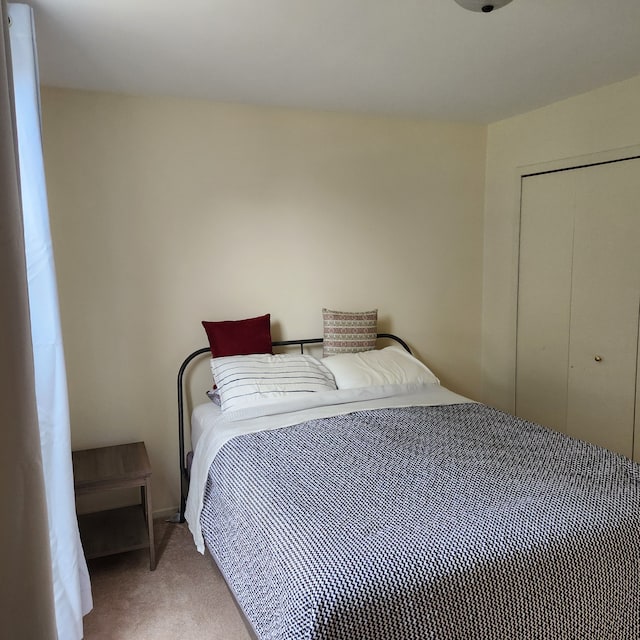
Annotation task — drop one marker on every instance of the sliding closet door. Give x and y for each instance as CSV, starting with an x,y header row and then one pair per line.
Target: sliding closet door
x,y
579,301
605,303
546,232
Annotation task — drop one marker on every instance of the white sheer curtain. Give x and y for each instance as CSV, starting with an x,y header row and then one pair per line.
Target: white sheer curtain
x,y
72,592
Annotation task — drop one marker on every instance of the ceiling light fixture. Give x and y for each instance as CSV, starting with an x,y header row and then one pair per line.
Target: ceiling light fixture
x,y
484,6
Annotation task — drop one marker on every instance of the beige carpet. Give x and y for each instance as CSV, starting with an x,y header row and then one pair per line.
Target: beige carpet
x,y
185,597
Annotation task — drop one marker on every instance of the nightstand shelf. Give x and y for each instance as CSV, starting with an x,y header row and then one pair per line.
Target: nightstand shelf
x,y
115,530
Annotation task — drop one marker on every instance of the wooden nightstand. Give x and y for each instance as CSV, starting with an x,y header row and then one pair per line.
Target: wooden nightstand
x,y
116,530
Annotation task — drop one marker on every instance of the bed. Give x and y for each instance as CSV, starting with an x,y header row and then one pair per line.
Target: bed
x,y
401,510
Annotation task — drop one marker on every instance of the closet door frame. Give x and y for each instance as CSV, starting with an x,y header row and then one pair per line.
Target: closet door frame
x,y
563,164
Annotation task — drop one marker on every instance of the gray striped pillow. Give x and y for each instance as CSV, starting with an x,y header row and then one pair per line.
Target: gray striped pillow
x,y
251,380
349,331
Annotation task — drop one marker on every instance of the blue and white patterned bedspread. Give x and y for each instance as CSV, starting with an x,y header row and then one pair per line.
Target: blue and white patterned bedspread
x,y
443,522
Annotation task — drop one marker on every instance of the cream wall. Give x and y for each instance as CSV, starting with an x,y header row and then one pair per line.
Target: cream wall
x,y
602,124
165,212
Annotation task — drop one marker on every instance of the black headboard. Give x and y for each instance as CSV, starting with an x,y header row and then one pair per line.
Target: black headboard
x,y
184,470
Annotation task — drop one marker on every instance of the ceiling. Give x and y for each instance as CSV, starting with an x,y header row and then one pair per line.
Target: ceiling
x,y
426,58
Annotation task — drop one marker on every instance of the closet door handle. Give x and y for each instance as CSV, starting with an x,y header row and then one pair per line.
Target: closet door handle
x,y
598,358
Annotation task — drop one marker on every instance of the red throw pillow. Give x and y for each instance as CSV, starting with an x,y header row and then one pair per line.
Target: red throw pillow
x,y
239,337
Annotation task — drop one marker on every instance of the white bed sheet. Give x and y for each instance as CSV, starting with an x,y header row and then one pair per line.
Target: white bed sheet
x,y
203,417
213,428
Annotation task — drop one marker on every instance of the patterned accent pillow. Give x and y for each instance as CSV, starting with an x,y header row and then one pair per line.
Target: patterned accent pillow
x,y
349,331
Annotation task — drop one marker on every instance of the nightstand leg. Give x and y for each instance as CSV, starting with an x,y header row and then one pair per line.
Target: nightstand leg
x,y
147,502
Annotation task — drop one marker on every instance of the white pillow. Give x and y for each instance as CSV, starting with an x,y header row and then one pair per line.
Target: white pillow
x,y
391,365
250,380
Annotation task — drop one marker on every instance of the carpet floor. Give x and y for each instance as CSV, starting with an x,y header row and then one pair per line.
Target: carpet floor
x,y
184,597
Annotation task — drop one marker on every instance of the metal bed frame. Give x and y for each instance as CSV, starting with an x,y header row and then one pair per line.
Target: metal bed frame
x,y
184,468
